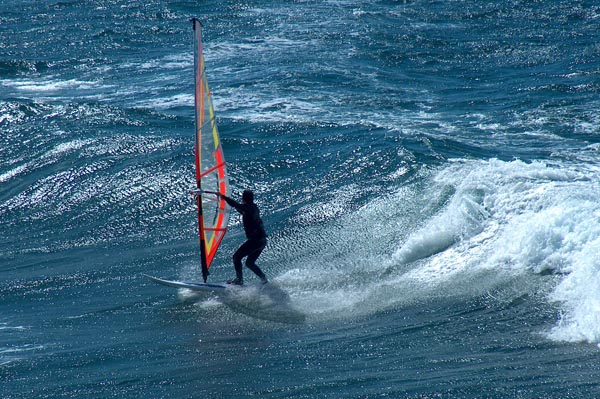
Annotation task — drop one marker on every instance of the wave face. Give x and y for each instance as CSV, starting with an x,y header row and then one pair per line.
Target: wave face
x,y
427,173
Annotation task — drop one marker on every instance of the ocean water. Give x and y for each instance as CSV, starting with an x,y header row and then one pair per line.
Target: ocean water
x,y
428,172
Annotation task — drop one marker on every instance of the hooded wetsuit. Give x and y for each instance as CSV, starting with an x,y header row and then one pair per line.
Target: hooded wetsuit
x,y
256,238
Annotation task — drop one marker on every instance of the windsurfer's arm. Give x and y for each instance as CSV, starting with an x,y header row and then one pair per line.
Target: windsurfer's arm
x,y
233,203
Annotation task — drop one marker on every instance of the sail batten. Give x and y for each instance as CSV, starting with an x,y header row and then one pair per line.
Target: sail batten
x,y
211,168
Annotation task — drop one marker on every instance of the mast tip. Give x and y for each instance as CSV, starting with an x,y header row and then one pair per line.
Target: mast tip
x,y
193,20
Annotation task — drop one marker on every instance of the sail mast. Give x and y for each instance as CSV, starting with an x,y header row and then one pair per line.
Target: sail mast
x,y
199,116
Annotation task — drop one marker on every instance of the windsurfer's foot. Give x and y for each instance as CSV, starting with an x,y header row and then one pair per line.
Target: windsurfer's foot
x,y
263,280
236,281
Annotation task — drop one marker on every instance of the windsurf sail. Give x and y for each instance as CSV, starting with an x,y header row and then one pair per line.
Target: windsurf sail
x,y
211,170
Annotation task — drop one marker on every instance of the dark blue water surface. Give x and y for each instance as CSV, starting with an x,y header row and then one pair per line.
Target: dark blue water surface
x,y
427,172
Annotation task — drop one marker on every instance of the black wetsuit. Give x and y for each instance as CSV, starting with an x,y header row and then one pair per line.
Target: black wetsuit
x,y
255,235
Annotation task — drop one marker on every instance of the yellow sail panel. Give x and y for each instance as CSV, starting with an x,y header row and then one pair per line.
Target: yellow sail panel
x,y
213,122
211,170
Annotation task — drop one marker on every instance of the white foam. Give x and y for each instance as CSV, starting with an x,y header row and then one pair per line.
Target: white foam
x,y
579,293
491,222
268,45
164,103
261,104
6,327
530,219
48,157
6,176
174,61
49,85
14,353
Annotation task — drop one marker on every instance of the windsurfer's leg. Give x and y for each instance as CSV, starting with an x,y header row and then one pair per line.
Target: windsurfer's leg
x,y
237,260
257,249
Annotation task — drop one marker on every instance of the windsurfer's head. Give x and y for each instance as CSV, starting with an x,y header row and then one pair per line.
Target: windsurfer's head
x,y
248,197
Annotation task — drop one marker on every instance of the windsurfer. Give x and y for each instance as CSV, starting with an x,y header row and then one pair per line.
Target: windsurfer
x,y
256,237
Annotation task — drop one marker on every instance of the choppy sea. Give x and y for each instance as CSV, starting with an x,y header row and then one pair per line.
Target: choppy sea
x,y
428,173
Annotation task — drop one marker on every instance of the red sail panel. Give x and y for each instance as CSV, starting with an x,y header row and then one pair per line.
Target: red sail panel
x,y
211,168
